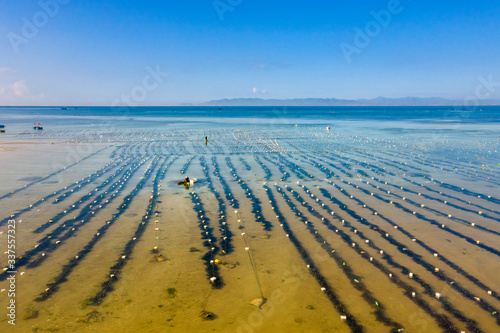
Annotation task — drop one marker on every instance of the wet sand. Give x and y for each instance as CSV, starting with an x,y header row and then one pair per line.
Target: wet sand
x,y
336,232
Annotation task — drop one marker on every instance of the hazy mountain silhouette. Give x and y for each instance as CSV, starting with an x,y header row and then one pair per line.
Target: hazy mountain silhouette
x,y
379,101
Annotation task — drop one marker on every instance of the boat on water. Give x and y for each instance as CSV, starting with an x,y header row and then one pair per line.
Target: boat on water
x,y
37,127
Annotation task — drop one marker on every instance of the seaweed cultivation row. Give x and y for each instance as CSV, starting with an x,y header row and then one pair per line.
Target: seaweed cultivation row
x,y
186,165
126,255
443,321
69,227
256,204
398,227
62,193
226,241
227,190
422,206
68,268
407,167
264,167
341,308
354,279
352,233
412,182
209,241
404,249
436,223
433,269
76,205
470,240
7,195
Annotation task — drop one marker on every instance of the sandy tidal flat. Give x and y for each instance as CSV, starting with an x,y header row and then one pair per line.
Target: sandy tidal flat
x,y
333,232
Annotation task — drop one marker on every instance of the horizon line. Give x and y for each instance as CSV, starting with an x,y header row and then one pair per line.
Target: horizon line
x,y
232,106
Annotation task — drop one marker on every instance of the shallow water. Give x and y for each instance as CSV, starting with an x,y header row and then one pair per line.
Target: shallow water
x,y
388,221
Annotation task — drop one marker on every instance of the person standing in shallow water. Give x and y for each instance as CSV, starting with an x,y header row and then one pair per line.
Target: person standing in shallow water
x,y
206,140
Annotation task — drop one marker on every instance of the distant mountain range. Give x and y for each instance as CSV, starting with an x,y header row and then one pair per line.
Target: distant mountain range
x,y
379,101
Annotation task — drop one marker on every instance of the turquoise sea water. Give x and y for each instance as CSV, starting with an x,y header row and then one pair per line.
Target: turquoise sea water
x,y
433,120
448,114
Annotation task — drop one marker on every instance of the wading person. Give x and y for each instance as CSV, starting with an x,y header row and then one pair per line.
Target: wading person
x,y
186,182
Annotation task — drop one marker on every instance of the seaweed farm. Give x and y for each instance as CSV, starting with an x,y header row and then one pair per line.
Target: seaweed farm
x,y
282,227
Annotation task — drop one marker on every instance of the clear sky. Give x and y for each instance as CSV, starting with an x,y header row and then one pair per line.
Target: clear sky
x,y
69,52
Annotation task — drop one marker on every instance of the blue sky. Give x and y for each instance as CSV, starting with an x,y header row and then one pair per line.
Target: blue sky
x,y
68,52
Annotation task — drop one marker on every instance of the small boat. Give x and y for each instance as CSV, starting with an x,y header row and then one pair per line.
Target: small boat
x,y
64,108
37,127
